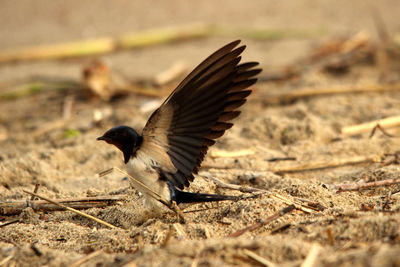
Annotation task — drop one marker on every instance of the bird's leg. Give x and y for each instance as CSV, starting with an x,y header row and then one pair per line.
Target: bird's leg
x,y
178,212
172,202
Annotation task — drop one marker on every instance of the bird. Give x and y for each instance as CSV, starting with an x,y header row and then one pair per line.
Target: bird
x,y
169,151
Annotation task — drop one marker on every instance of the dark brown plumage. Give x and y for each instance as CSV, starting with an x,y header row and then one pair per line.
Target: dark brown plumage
x,y
178,134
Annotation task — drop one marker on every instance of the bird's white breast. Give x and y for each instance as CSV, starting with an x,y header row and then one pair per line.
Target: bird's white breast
x,y
140,167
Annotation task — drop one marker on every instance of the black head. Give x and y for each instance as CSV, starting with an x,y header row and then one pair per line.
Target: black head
x,y
125,138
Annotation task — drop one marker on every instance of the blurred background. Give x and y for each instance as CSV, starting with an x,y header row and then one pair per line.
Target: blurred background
x,y
70,70
75,58
295,26
64,63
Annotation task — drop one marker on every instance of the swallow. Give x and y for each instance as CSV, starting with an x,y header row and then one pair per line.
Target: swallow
x,y
175,139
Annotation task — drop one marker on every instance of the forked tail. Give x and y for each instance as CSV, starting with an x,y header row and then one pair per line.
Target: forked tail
x,y
188,197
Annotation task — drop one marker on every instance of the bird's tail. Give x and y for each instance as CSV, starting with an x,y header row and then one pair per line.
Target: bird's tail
x,y
188,197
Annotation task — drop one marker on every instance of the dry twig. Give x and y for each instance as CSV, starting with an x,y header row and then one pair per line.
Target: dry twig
x,y
35,249
197,210
390,158
130,264
9,223
34,191
180,231
379,127
309,166
360,185
299,206
216,153
258,258
275,159
325,164
311,204
144,39
16,207
244,189
73,210
278,229
366,127
104,45
168,236
312,256
263,222
171,74
7,259
68,106
86,258
331,237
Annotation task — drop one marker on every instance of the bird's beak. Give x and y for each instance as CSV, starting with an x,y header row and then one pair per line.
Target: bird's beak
x,y
101,138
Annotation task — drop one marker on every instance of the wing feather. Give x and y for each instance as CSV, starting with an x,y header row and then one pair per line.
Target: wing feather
x,y
198,111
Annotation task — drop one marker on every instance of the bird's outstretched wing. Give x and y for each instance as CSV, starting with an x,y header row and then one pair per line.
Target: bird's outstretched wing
x,y
197,112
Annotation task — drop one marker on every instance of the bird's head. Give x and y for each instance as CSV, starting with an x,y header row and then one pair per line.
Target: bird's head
x,y
124,138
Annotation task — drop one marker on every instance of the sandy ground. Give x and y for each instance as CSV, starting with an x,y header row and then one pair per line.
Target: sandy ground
x,y
358,228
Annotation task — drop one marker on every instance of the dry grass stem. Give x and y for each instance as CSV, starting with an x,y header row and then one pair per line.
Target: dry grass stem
x,y
360,185
367,127
130,264
35,190
216,153
244,189
73,210
144,39
168,236
331,237
68,106
104,45
287,201
86,258
8,223
180,231
16,207
258,258
312,257
198,210
195,262
301,204
379,127
311,204
325,164
309,166
206,231
275,159
261,223
7,259
177,70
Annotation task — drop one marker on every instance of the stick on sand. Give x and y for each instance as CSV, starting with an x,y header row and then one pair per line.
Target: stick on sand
x,y
73,210
367,127
16,207
263,222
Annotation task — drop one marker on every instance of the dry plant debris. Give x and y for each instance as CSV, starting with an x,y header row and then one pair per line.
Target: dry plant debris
x,y
282,157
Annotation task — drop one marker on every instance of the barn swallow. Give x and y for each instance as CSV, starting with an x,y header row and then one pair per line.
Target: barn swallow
x,y
177,135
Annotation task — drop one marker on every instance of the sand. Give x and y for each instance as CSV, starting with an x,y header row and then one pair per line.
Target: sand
x,y
356,228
